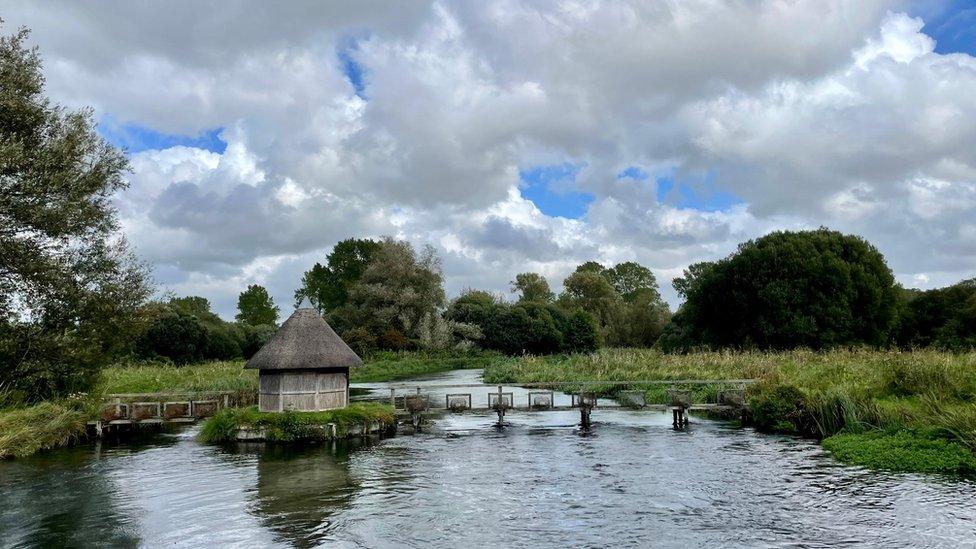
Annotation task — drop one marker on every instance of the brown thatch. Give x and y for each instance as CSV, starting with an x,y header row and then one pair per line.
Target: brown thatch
x,y
304,341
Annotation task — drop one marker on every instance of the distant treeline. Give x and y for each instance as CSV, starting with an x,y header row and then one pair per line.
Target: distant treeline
x,y
812,289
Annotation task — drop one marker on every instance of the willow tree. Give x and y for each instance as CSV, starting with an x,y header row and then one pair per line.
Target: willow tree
x,y
69,287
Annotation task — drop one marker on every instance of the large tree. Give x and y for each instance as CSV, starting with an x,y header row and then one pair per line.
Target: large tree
x,y
398,289
532,288
327,286
69,287
255,307
815,289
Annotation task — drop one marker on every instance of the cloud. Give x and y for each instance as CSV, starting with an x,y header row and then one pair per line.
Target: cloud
x,y
859,125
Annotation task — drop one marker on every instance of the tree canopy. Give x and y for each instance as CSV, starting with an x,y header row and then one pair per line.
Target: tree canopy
x,y
532,287
255,307
815,289
327,287
70,290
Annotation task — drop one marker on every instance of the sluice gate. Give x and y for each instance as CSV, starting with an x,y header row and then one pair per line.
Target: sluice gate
x,y
413,403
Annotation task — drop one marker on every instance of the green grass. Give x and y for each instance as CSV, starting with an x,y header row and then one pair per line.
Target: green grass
x,y
29,429
293,426
160,378
857,393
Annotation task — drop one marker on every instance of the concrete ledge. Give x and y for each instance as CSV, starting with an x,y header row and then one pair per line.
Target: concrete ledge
x,y
329,430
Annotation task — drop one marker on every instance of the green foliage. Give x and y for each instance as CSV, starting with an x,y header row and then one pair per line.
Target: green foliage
x,y
69,287
398,289
294,426
581,333
531,327
623,300
632,280
780,409
944,318
387,366
255,337
816,289
532,288
327,287
590,291
255,307
909,451
185,331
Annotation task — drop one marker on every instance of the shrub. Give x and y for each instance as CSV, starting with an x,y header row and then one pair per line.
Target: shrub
x,y
780,409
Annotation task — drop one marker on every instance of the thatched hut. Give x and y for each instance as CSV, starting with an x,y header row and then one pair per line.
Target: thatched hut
x,y
305,366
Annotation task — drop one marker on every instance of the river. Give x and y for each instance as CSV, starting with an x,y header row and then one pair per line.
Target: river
x,y
631,481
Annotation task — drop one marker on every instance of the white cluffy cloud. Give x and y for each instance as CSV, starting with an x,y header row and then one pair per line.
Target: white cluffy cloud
x,y
799,114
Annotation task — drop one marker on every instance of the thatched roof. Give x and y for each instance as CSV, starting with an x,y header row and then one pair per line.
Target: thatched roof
x,y
305,340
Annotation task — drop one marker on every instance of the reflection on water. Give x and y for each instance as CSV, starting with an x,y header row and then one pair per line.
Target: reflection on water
x,y
631,482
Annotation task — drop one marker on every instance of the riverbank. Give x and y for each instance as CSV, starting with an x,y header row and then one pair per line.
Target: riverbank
x,y
25,430
357,418
899,411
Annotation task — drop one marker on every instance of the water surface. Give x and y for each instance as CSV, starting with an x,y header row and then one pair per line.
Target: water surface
x,y
631,481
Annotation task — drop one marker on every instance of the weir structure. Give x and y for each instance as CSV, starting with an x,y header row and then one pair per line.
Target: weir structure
x,y
413,404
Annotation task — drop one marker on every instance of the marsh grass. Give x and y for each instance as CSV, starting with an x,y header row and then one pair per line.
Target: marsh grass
x,y
293,426
159,377
25,430
855,392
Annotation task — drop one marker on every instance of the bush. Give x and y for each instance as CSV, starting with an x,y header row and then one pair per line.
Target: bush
x,y
780,409
393,340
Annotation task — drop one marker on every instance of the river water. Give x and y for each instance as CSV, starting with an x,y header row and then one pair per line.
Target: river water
x,y
631,481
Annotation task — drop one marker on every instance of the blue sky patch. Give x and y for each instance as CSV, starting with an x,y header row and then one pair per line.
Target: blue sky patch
x,y
553,190
952,23
702,194
350,67
137,138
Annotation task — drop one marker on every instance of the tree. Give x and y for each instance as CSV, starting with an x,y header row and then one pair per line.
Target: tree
x,y
640,321
532,287
255,307
590,291
815,289
590,267
327,287
631,279
941,317
398,288
70,289
582,335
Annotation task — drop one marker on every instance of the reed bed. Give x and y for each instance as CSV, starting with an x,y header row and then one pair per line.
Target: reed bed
x,y
928,396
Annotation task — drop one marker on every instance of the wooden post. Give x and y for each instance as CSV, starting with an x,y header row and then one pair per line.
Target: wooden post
x,y
393,398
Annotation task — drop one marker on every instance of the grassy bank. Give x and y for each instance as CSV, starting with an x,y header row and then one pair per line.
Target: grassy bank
x,y
293,426
25,430
893,410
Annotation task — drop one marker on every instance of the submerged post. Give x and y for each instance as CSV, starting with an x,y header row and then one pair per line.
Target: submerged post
x,y
500,407
586,403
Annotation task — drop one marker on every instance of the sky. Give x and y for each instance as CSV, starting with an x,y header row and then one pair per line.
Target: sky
x,y
522,136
